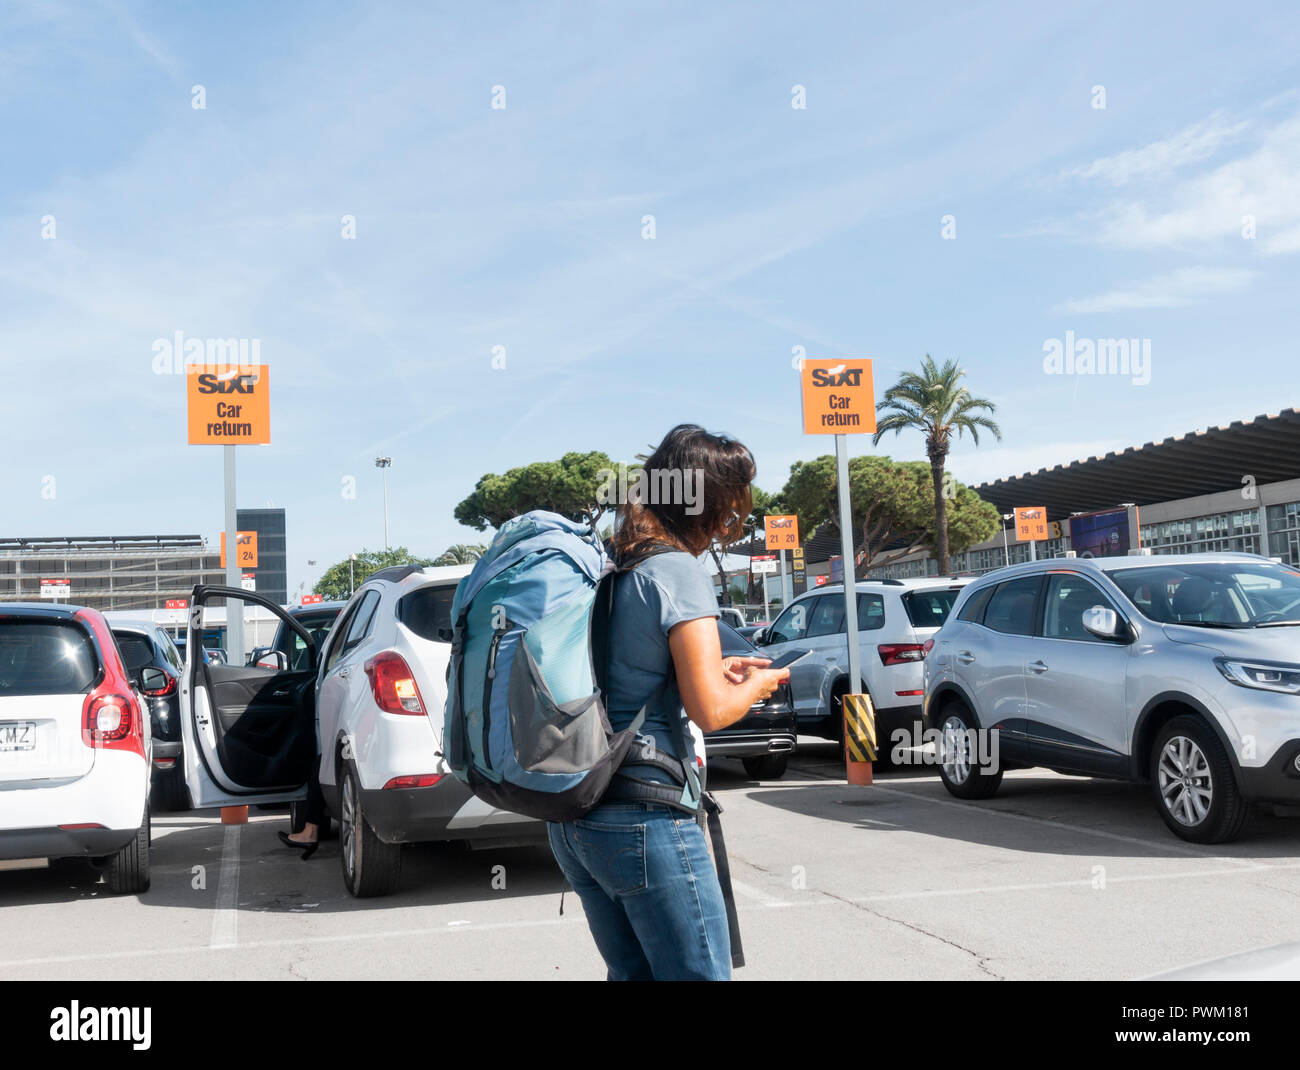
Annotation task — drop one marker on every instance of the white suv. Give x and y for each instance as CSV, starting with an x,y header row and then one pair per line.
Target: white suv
x,y
895,619
380,698
75,744
366,706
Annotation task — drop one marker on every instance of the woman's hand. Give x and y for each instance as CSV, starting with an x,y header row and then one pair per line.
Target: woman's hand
x,y
735,669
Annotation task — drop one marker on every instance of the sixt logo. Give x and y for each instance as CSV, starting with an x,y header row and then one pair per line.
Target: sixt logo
x,y
781,522
231,382
840,375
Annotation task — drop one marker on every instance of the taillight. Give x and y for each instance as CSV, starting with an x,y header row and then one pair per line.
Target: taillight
x,y
422,780
393,684
925,650
900,653
109,720
163,692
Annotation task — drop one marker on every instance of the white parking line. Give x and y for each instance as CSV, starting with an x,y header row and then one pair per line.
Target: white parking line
x,y
759,896
1172,845
1081,883
225,919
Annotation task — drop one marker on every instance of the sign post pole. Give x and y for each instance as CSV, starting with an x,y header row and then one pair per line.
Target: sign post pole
x,y
839,399
767,613
234,571
785,590
228,404
846,550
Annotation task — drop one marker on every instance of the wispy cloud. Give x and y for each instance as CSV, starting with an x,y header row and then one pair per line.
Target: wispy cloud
x,y
1173,290
1254,196
1162,158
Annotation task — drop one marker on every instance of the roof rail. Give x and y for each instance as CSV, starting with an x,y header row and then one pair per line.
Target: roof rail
x,y
394,573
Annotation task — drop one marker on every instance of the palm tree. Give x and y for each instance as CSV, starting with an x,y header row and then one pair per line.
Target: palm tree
x,y
934,402
460,554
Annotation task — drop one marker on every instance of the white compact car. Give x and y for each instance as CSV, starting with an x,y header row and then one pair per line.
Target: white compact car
x,y
373,696
75,744
381,693
895,620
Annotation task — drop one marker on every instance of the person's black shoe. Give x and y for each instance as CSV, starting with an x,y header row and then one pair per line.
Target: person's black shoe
x,y
307,849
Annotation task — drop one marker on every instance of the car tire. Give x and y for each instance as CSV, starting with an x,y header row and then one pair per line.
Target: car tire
x,y
964,778
371,867
1195,789
127,872
766,766
170,791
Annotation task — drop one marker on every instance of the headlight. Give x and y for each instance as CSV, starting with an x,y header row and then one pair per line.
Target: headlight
x,y
1261,675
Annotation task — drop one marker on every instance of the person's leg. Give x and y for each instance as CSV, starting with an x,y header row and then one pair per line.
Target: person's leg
x,y
680,918
615,940
313,810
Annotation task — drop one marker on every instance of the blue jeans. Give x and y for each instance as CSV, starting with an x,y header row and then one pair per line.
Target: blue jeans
x,y
649,890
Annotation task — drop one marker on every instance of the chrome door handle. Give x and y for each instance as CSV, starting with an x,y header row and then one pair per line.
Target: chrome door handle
x,y
1036,667
281,693
965,657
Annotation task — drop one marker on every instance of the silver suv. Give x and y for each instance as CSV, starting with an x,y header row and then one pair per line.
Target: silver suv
x,y
1182,672
895,619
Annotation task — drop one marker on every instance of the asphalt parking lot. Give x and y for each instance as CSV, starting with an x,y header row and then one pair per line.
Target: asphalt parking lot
x,y
1054,878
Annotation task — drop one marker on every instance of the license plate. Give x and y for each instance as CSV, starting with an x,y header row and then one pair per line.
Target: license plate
x,y
20,735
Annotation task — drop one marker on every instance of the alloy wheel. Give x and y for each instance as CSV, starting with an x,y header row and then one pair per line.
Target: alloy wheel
x,y
348,827
955,742
1186,786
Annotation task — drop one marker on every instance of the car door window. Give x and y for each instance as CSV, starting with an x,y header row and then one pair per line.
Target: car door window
x,y
1011,609
871,612
338,637
793,623
827,618
169,651
973,610
1069,596
365,617
352,630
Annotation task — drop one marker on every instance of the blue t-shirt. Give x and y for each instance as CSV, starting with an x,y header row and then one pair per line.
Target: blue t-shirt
x,y
660,592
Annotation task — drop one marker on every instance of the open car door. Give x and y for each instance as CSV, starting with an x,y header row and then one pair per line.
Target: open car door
x,y
249,731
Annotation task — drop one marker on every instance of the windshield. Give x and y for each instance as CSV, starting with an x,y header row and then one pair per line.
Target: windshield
x,y
1215,594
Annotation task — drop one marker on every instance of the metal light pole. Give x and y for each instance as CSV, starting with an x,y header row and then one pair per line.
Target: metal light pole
x,y
1006,552
385,463
352,583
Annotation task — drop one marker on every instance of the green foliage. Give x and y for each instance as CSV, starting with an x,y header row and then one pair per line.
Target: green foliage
x,y
570,486
891,502
934,402
333,585
461,554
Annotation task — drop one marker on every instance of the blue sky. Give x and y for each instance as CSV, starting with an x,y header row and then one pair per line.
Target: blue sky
x,y
521,227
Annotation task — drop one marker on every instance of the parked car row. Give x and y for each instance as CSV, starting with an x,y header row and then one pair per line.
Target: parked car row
x,y
1176,671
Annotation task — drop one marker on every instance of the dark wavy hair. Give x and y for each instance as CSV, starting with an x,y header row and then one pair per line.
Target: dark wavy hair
x,y
721,470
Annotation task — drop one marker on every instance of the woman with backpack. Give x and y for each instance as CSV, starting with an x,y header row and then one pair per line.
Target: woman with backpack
x,y
642,870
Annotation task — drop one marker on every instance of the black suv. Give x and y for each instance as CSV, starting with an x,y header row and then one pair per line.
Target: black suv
x,y
146,646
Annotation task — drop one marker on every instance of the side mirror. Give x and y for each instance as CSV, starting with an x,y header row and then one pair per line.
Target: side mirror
x,y
759,637
152,680
1102,622
274,659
